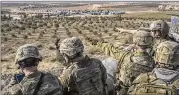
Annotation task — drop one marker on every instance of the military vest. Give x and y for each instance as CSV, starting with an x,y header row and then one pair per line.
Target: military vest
x,y
157,42
47,85
88,80
153,86
133,65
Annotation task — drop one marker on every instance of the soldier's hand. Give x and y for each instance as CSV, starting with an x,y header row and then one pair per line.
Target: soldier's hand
x,y
57,43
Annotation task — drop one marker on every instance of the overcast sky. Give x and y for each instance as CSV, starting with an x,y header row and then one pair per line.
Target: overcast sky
x,y
89,0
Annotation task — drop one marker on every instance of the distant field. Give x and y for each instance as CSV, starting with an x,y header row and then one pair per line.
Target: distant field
x,y
155,15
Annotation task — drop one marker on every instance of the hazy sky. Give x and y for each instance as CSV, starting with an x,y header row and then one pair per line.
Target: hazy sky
x,y
89,0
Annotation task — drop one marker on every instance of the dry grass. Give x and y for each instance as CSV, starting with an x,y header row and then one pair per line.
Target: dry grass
x,y
92,28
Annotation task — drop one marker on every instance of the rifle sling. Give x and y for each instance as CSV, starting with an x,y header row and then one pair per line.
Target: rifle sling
x,y
38,85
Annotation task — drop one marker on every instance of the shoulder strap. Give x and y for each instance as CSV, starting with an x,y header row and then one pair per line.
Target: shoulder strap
x,y
38,85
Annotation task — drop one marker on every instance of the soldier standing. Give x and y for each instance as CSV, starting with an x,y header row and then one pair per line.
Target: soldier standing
x,y
131,62
164,79
31,81
84,76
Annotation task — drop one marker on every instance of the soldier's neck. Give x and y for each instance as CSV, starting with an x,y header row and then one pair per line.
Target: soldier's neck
x,y
29,70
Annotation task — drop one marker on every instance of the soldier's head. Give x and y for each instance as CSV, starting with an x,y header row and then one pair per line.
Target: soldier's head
x,y
143,39
159,29
27,56
167,55
71,48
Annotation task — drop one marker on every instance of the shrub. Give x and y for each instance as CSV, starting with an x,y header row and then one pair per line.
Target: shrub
x,y
110,34
48,26
39,45
5,39
54,36
105,31
2,30
51,48
93,50
13,35
29,34
25,36
8,29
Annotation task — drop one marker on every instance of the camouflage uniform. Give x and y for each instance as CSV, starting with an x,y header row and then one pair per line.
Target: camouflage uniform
x,y
131,63
50,85
163,27
84,77
162,80
27,85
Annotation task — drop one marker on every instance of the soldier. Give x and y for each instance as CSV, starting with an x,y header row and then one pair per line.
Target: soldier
x,y
164,79
131,62
31,81
159,30
84,75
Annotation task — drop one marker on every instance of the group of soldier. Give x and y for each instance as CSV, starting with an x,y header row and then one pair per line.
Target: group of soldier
x,y
148,67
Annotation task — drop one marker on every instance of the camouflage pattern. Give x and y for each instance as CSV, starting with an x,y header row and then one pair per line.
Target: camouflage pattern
x,y
61,59
86,80
156,42
27,85
161,81
125,37
131,63
161,26
167,53
150,84
27,51
142,38
71,46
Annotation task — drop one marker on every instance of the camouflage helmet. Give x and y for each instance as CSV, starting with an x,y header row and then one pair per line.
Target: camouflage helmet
x,y
168,53
27,51
160,25
142,38
71,46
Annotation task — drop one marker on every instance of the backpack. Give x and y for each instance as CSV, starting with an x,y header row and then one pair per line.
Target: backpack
x,y
153,86
131,66
87,80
